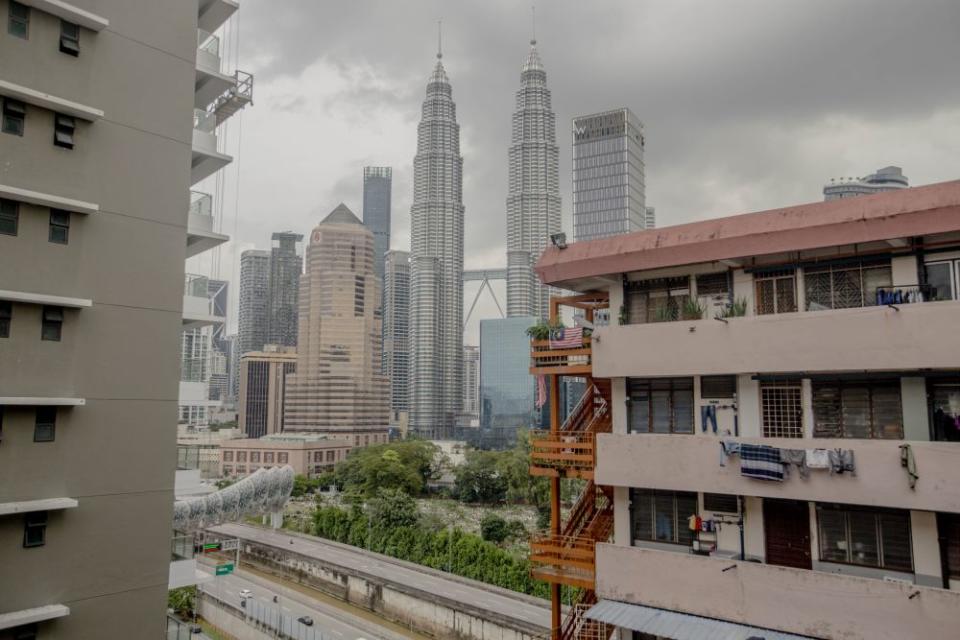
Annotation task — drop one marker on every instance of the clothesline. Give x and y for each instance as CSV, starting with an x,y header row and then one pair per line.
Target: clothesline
x,y
764,462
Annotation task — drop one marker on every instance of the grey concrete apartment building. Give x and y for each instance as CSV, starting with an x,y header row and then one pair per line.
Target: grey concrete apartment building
x,y
98,151
286,263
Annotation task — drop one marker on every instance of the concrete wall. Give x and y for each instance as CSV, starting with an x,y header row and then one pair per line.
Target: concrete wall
x,y
818,604
425,613
868,338
108,559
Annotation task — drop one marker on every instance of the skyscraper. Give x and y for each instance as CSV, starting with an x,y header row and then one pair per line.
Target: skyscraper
x,y
506,387
285,267
263,376
436,265
396,328
886,179
471,381
608,187
254,300
651,218
377,185
339,388
533,199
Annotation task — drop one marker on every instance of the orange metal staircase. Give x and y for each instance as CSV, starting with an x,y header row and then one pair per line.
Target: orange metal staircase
x,y
566,554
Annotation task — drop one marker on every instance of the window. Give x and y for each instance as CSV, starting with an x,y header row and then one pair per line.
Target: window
x,y
331,455
776,292
712,387
845,286
282,457
661,516
34,529
318,456
944,395
18,23
14,113
868,537
59,226
52,328
241,468
720,502
9,217
241,456
781,410
948,525
6,315
662,405
23,632
254,456
865,409
713,284
45,427
268,456
63,128
227,470
659,300
228,456
940,277
70,38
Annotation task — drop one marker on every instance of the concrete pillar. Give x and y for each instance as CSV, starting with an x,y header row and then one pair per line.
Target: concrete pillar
x,y
916,418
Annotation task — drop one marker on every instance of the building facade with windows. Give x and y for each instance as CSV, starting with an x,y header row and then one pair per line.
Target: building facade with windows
x,y
308,454
471,381
253,321
96,217
774,453
608,175
338,388
263,376
377,192
286,264
886,179
507,390
396,328
533,198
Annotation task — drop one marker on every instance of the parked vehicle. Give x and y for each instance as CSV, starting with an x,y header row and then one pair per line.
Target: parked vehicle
x,y
305,620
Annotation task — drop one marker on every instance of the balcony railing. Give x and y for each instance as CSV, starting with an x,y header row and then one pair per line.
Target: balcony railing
x,y
563,559
201,204
196,286
545,360
564,454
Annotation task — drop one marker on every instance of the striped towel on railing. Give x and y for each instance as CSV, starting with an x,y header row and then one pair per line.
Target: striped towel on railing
x,y
761,462
566,338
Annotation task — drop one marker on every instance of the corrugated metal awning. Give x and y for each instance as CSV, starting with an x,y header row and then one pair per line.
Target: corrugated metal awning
x,y
678,626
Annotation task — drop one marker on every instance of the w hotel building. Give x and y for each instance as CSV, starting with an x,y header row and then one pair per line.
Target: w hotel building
x,y
771,431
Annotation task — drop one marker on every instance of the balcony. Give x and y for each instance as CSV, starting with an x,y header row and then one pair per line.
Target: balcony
x,y
813,603
210,81
198,310
907,336
569,455
212,14
692,463
200,234
205,160
545,360
560,559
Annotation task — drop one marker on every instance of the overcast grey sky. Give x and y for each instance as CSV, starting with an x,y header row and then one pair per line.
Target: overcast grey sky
x,y
747,104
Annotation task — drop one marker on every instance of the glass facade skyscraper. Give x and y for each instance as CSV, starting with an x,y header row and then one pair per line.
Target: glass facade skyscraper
x,y
507,390
286,264
608,180
377,187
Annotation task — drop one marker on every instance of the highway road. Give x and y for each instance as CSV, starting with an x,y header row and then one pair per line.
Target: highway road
x,y
493,599
328,621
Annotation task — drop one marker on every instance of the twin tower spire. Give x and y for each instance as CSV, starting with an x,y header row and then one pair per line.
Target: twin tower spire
x,y
437,223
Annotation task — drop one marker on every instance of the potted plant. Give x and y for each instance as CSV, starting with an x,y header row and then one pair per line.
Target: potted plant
x,y
736,309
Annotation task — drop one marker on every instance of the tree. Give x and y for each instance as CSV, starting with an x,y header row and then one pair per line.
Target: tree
x,y
408,465
391,509
493,528
301,484
479,478
182,600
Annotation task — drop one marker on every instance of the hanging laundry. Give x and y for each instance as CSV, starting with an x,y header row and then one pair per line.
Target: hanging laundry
x,y
761,462
797,458
541,391
693,522
708,414
841,461
908,462
728,448
818,459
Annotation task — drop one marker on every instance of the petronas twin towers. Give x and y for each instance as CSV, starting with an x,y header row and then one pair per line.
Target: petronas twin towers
x,y
436,255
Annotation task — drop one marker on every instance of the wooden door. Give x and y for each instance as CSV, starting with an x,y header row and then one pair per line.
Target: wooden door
x,y
786,528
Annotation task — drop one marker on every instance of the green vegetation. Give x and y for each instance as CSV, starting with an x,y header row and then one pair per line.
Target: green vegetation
x,y
407,466
736,309
182,600
692,309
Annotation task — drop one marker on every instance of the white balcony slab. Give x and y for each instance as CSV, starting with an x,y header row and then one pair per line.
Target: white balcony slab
x,y
210,82
206,160
29,297
47,200
70,13
200,235
36,401
30,616
49,101
29,506
214,13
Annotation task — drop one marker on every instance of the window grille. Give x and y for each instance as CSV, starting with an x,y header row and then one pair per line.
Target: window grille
x,y
662,405
656,300
781,410
776,292
867,409
661,516
877,538
718,386
713,284
720,502
845,286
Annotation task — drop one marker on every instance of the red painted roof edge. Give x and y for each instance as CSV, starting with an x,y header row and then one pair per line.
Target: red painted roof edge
x,y
908,212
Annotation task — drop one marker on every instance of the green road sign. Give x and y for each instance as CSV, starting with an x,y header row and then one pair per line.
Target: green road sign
x,y
224,569
211,546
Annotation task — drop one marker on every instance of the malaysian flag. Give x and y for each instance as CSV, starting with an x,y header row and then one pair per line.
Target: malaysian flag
x,y
571,338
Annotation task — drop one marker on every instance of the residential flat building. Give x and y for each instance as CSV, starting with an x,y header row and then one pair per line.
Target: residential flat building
x,y
471,381
886,179
263,376
396,328
285,267
650,221
96,217
776,405
377,191
338,388
533,197
436,265
309,454
507,390
232,351
608,177
199,449
254,313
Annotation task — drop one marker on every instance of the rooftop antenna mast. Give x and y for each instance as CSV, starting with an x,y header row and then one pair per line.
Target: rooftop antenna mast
x,y
439,39
533,33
